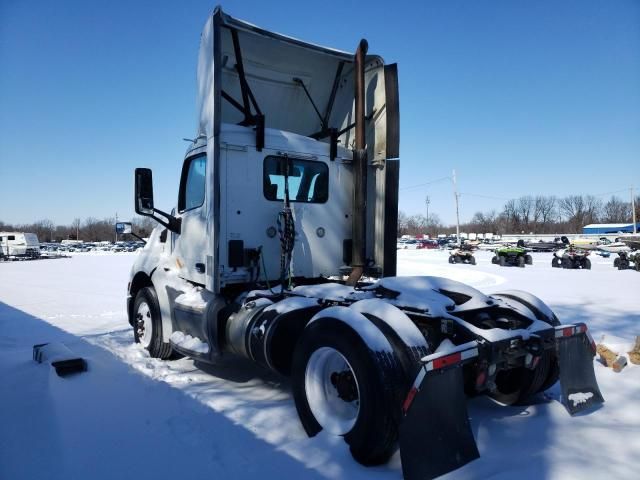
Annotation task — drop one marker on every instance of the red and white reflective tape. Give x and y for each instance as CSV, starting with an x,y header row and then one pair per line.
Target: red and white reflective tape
x,y
567,331
572,330
441,361
415,388
450,359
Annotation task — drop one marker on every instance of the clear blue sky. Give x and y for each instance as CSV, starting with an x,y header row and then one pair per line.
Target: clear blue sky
x,y
520,97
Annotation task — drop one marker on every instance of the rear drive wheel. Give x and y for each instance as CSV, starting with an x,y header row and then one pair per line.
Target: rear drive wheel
x,y
147,324
340,385
519,385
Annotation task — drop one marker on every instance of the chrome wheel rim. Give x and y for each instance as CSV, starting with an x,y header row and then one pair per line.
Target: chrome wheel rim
x,y
143,324
332,390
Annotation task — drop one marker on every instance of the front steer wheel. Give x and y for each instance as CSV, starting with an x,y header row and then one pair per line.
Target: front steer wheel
x,y
147,324
342,386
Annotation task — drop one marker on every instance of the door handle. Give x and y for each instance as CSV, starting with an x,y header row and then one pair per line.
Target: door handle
x,y
200,267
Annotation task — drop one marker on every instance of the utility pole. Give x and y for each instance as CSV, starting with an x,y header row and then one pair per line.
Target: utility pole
x,y
427,201
116,229
455,194
633,211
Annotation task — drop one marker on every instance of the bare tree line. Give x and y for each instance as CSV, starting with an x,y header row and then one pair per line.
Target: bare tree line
x,y
89,230
531,214
527,214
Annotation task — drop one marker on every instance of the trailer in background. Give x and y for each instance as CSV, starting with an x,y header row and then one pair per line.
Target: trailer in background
x,y
19,244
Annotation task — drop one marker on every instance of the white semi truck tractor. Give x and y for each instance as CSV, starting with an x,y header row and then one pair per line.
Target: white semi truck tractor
x,y
282,249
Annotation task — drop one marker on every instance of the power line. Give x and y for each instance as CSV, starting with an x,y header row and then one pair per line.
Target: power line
x,y
426,183
610,193
507,199
484,196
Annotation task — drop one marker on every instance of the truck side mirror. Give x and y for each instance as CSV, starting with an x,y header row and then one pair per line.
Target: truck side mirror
x,y
144,191
123,227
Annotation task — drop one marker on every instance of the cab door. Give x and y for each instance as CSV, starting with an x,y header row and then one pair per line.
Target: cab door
x,y
190,245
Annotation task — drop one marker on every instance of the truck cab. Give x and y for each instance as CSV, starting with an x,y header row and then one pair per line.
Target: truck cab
x,y
267,190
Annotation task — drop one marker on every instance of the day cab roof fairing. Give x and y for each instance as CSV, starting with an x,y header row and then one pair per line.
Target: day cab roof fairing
x,y
246,72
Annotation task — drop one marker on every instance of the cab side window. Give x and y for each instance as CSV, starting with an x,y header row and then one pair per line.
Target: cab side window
x,y
192,184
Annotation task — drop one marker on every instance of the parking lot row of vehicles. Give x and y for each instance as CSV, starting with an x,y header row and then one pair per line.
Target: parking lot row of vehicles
x,y
53,248
416,244
421,243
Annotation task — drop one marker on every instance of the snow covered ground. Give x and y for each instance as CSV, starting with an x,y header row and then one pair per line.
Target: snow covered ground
x,y
131,416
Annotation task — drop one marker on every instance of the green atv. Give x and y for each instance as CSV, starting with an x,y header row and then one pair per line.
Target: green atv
x,y
512,255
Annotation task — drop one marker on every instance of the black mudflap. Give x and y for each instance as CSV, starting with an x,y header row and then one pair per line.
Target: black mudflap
x,y
435,434
577,378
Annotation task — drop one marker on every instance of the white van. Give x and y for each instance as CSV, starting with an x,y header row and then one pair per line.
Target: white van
x,y
19,244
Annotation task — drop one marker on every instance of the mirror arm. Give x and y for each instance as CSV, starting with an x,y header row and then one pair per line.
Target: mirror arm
x,y
172,222
138,237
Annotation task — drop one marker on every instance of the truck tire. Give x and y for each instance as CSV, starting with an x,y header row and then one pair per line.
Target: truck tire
x,y
341,385
519,385
147,324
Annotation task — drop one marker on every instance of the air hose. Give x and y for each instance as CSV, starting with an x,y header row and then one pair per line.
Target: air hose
x,y
287,231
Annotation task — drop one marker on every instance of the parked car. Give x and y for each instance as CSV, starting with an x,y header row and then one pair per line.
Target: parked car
x,y
427,244
407,245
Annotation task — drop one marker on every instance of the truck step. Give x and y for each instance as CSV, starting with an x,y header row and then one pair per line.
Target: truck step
x,y
190,346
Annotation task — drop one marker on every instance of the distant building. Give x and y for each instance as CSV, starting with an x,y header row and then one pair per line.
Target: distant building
x,y
609,228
